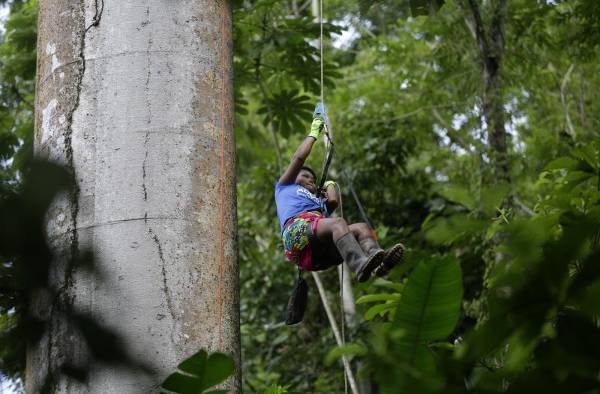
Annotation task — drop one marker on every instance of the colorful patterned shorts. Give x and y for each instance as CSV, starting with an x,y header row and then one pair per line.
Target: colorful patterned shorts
x,y
296,238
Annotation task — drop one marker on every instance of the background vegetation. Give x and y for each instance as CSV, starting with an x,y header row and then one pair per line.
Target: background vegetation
x,y
469,130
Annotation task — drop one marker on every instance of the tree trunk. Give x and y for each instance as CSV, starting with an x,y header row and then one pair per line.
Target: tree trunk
x,y
490,41
135,98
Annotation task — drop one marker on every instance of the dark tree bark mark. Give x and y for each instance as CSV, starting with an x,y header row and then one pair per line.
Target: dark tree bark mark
x,y
97,15
163,273
148,105
62,300
146,139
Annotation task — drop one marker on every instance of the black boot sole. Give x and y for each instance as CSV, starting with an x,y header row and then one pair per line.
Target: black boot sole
x,y
373,262
393,257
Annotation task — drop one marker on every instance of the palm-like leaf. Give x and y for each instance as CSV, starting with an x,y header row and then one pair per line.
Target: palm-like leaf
x,y
288,110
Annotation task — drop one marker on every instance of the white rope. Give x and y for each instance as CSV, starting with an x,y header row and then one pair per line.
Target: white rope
x,y
336,332
341,341
321,46
342,308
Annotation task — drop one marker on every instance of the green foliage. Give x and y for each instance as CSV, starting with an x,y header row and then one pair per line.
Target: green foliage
x,y
533,313
416,7
199,373
276,389
277,71
389,305
403,345
407,119
350,349
287,111
17,84
404,96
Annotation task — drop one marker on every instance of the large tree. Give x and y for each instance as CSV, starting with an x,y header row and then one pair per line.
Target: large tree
x,y
135,99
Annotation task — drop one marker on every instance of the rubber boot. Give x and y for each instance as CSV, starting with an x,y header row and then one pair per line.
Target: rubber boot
x,y
356,259
392,257
369,246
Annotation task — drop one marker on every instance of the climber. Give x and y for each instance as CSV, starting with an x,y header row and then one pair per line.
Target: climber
x,y
312,239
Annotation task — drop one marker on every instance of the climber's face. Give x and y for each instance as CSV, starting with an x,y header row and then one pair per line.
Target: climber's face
x,y
307,179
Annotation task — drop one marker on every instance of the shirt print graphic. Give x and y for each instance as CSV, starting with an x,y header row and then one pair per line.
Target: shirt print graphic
x,y
306,193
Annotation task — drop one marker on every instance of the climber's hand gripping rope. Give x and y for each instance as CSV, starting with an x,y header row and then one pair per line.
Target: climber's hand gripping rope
x,y
321,113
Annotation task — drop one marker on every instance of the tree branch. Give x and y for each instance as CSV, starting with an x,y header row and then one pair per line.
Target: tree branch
x,y
582,98
563,100
528,211
497,30
478,27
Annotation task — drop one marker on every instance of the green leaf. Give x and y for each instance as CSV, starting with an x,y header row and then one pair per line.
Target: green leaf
x,y
194,365
349,349
377,297
388,284
459,195
288,111
202,371
182,384
448,230
380,309
430,303
421,364
565,162
218,368
492,197
588,154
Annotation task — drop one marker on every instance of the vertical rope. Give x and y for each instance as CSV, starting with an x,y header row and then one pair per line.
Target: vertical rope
x,y
342,309
321,45
336,331
341,340
343,321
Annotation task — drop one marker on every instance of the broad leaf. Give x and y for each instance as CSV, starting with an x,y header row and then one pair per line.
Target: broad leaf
x,y
460,195
349,349
199,373
430,303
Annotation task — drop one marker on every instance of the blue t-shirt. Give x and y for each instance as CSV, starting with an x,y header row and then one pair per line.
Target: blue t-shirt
x,y
294,199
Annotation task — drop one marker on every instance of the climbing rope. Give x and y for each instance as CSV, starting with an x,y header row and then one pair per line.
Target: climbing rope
x,y
321,45
342,308
326,163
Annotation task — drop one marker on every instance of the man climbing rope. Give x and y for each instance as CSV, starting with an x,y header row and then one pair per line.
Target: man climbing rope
x,y
312,239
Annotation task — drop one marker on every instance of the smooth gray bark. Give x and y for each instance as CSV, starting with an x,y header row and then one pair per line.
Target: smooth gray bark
x,y
135,98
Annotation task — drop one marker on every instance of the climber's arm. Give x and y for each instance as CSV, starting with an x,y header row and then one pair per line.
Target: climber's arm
x,y
301,154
